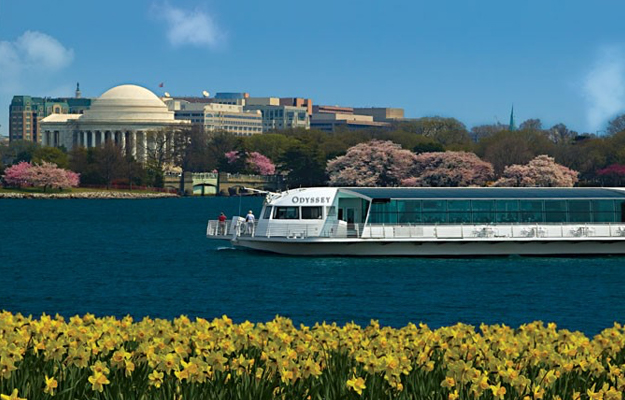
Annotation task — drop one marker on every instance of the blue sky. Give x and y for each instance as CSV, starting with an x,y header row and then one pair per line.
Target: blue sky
x,y
560,61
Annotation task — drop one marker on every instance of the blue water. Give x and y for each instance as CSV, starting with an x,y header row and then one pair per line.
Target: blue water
x,y
151,257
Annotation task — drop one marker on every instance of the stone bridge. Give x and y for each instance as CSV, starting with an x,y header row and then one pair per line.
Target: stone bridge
x,y
221,183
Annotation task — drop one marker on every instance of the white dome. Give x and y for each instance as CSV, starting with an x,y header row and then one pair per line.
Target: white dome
x,y
129,103
129,92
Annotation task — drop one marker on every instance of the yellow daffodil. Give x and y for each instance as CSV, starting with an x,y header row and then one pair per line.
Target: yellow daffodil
x,y
12,396
98,380
51,385
156,378
356,384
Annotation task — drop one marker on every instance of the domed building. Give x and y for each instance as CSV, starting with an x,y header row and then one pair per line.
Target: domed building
x,y
131,116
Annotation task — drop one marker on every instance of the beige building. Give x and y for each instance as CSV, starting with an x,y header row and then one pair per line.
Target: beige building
x,y
131,116
329,118
381,114
215,117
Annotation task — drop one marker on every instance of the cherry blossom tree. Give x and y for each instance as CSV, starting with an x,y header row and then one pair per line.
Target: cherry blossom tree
x,y
375,163
449,169
17,175
614,174
253,162
46,175
260,164
542,171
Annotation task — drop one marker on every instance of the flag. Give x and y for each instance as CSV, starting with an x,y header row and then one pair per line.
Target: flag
x,y
161,84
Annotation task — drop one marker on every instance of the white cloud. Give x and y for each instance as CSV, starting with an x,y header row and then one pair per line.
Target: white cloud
x,y
28,66
193,27
604,87
34,50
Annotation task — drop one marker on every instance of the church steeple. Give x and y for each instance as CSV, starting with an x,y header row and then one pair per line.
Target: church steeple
x,y
512,126
78,94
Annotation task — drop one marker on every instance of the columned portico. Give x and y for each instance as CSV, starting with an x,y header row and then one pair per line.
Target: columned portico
x,y
132,117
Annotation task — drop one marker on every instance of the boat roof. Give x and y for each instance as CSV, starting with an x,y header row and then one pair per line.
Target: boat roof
x,y
486,193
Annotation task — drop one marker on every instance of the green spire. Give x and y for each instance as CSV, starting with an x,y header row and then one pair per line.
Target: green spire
x,y
512,126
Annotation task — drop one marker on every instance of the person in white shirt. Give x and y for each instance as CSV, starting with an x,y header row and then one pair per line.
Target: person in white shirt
x,y
249,219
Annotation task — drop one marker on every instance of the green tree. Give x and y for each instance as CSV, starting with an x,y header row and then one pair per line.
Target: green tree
x,y
52,155
272,145
519,147
304,165
108,159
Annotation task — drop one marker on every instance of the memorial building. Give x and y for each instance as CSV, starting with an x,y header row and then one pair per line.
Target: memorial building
x,y
130,116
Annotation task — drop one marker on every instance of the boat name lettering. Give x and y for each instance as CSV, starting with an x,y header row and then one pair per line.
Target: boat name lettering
x,y
311,200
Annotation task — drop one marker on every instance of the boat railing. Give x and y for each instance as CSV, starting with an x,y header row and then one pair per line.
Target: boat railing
x,y
471,231
299,230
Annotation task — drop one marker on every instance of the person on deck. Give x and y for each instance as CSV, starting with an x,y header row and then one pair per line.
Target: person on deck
x,y
222,224
250,219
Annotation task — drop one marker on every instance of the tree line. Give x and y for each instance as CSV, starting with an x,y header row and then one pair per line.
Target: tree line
x,y
302,156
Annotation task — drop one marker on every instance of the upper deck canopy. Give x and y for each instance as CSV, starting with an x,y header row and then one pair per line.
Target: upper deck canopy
x,y
487,193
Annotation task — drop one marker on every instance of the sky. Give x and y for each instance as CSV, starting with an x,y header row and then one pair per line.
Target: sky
x,y
560,61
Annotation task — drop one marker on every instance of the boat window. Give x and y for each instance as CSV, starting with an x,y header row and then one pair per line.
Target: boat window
x,y
267,213
555,211
286,213
531,211
603,211
312,212
579,210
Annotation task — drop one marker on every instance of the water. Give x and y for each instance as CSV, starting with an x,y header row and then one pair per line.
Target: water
x,y
151,257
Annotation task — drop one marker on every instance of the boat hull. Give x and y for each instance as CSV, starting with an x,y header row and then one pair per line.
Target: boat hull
x,y
437,248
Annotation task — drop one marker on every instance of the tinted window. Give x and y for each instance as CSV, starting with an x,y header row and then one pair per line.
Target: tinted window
x,y
286,213
312,212
267,213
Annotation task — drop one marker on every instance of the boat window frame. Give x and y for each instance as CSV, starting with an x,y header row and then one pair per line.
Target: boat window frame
x,y
278,208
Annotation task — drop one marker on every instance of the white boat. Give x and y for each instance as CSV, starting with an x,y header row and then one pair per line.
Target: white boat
x,y
355,221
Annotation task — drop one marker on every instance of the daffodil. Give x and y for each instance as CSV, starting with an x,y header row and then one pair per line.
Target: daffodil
x,y
51,385
356,384
156,378
12,396
98,380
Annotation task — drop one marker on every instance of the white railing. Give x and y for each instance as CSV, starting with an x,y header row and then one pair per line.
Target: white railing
x,y
493,231
238,227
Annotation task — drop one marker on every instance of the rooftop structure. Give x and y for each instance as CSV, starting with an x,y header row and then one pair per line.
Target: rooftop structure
x,y
329,118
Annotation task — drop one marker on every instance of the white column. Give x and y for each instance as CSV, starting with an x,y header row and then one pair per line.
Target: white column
x,y
93,138
84,138
144,145
133,143
123,142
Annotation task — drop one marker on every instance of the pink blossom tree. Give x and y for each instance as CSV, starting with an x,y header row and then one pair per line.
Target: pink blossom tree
x,y
48,175
253,162
260,164
449,169
375,163
614,174
542,171
17,175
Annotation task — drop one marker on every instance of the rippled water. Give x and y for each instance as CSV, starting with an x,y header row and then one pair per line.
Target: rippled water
x,y
151,257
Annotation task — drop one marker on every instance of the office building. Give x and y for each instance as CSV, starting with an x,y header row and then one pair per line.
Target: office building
x,y
26,113
218,117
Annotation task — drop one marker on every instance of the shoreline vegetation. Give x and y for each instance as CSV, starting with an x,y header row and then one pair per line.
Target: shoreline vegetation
x,y
82,193
110,358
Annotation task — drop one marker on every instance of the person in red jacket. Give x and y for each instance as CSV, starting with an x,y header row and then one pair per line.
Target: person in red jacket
x,y
222,224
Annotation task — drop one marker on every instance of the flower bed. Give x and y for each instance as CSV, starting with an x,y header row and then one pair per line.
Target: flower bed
x,y
108,358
